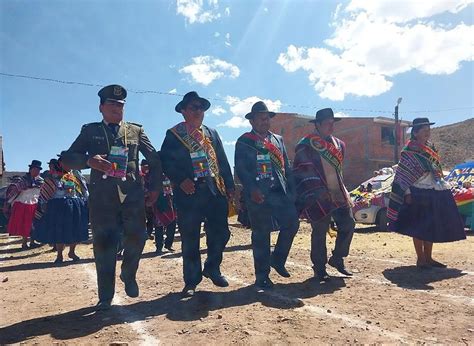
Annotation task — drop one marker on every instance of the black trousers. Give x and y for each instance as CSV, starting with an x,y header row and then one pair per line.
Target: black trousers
x,y
345,230
192,210
276,212
160,232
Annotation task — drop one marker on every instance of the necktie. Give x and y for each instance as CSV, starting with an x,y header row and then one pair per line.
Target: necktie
x,y
114,128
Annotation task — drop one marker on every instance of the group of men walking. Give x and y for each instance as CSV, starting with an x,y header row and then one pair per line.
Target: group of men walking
x,y
193,158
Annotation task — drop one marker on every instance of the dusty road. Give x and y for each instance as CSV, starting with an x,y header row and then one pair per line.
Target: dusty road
x,y
387,301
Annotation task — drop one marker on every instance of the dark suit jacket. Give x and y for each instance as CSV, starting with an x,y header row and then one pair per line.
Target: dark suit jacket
x,y
246,168
177,164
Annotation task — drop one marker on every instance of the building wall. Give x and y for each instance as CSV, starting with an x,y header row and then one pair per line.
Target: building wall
x,y
365,150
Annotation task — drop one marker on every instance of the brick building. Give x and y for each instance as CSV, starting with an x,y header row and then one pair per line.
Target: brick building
x,y
369,141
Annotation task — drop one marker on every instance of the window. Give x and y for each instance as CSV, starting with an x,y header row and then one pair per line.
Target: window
x,y
387,135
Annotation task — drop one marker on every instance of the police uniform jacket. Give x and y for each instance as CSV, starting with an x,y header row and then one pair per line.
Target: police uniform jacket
x,y
96,139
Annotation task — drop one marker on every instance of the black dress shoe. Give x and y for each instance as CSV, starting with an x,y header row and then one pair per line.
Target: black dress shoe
x,y
169,248
339,265
264,284
131,287
103,305
217,278
280,269
188,291
322,275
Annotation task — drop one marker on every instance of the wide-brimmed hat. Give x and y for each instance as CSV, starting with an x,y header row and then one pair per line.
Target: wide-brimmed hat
x,y
190,96
323,114
420,122
35,163
259,107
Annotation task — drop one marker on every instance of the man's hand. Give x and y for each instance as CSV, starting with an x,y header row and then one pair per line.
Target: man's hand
x,y
99,163
151,198
257,196
188,186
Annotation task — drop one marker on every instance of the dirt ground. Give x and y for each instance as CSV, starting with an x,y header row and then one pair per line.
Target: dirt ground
x,y
387,301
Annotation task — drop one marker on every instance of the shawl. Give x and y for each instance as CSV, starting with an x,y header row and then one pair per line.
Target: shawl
x,y
415,161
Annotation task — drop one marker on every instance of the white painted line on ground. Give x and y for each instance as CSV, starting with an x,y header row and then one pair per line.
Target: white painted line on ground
x,y
455,298
349,320
467,272
137,325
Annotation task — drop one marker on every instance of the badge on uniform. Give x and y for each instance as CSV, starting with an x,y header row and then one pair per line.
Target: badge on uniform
x,y
264,167
200,164
119,158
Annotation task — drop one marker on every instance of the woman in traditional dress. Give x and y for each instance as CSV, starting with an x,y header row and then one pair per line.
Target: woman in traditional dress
x,y
62,216
22,197
421,203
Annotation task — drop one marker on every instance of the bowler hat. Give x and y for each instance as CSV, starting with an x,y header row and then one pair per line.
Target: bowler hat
x,y
421,122
259,107
323,114
190,96
143,162
113,92
35,163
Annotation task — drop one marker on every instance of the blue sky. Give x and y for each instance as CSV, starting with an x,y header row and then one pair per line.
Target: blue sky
x,y
355,56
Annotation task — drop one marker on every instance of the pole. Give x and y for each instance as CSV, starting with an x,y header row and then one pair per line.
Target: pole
x,y
396,135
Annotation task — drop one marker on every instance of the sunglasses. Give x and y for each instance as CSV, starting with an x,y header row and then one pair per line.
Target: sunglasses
x,y
196,107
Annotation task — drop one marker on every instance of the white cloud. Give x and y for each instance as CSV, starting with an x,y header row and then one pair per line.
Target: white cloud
x,y
373,43
227,11
265,9
206,69
173,91
341,115
231,143
227,40
397,11
217,34
239,108
218,110
198,11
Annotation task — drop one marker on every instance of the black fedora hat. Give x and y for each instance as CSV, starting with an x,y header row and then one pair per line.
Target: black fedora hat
x,y
421,122
259,107
323,114
35,163
190,96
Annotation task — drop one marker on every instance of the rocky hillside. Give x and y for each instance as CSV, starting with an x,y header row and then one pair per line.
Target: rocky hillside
x,y
455,142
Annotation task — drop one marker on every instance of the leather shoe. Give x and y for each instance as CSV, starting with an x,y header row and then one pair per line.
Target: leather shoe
x,y
188,291
217,278
322,275
339,265
131,287
103,305
264,284
280,269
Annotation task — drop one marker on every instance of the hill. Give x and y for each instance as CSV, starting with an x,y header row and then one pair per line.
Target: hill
x,y
455,142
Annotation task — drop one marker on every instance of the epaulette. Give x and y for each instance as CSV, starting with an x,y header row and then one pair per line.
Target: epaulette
x,y
90,124
139,125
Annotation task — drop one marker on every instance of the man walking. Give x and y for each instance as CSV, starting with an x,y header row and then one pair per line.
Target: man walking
x,y
321,193
117,204
261,164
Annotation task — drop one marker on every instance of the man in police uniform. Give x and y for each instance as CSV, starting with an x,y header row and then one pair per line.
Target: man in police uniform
x,y
116,203
261,163
194,160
